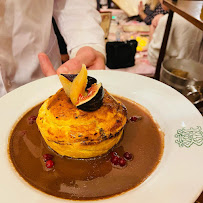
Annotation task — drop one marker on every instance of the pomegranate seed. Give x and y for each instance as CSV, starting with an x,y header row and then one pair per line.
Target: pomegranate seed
x,y
122,162
32,119
115,160
114,154
135,118
49,164
48,157
128,156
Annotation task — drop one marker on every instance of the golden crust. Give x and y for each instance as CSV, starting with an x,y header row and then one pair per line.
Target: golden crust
x,y
72,132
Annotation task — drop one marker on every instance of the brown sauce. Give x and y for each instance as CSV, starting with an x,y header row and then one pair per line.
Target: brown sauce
x,y
87,179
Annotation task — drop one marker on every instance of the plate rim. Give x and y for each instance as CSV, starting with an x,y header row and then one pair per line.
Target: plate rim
x,y
46,80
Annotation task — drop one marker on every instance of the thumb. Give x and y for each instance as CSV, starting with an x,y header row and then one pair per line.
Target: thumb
x,y
46,65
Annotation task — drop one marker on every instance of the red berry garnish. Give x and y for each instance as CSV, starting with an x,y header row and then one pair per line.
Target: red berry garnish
x,y
122,162
49,164
135,118
32,119
115,160
128,156
114,154
48,157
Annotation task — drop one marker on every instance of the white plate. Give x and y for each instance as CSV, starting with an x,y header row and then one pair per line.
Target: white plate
x,y
178,177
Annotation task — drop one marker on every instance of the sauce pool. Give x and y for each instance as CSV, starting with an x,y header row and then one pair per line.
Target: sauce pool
x,y
87,179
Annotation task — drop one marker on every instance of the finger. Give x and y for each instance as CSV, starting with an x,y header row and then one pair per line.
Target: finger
x,y
99,63
46,65
72,66
97,66
85,55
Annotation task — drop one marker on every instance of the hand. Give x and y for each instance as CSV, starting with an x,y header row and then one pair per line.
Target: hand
x,y
156,19
141,11
153,26
140,8
151,32
86,55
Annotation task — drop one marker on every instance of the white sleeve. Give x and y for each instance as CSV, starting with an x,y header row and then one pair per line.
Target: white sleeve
x,y
184,41
79,24
155,44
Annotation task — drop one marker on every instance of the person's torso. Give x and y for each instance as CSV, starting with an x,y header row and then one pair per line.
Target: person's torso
x,y
25,30
185,40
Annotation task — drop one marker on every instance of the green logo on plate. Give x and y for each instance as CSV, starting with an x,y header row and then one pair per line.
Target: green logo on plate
x,y
187,137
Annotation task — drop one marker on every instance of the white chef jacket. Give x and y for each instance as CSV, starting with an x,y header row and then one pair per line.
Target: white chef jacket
x,y
26,30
